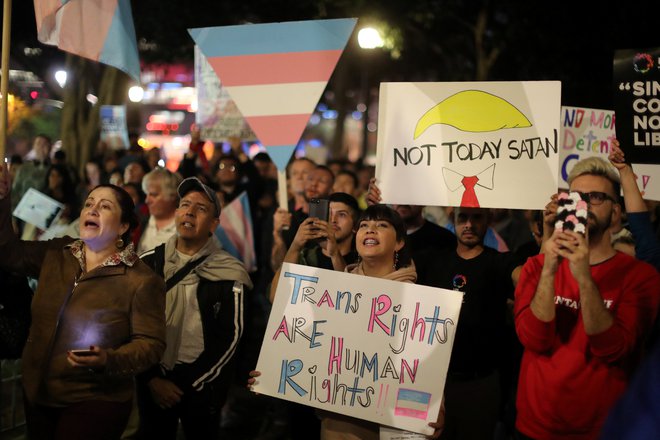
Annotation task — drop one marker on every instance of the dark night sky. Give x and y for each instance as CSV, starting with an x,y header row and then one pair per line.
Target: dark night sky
x,y
570,41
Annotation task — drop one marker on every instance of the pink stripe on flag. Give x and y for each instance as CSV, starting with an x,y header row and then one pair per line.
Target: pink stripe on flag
x,y
275,68
89,18
278,129
407,412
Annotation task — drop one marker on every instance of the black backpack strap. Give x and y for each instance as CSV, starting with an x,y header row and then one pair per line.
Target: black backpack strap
x,y
181,273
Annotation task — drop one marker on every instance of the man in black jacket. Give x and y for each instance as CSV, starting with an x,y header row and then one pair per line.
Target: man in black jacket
x,y
204,313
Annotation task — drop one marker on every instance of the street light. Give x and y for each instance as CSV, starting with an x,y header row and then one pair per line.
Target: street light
x,y
60,77
368,38
135,93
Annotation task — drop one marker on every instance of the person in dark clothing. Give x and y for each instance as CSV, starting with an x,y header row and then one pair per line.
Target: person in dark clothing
x,y
204,317
486,278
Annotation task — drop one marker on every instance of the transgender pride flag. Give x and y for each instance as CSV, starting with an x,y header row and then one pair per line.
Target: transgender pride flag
x,y
235,231
275,73
412,403
101,30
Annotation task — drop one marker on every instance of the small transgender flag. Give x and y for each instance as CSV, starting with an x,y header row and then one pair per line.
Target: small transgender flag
x,y
235,231
101,30
411,403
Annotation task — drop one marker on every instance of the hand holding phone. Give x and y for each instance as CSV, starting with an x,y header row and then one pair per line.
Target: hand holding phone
x,y
572,210
83,352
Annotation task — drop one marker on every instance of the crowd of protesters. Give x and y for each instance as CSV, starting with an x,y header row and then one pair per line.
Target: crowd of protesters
x,y
553,326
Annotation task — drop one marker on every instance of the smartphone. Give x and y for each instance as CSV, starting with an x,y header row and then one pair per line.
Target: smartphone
x,y
83,352
572,209
319,208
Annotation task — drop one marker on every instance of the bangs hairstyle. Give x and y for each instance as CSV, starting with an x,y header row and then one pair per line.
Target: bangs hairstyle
x,y
127,207
385,213
595,166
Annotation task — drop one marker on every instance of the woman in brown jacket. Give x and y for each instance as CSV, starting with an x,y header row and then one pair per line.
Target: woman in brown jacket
x,y
97,319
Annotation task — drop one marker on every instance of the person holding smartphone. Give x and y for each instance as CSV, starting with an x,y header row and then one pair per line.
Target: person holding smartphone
x,y
582,312
98,319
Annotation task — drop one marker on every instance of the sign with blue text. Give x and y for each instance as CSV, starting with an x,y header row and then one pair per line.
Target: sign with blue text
x,y
588,132
364,347
470,144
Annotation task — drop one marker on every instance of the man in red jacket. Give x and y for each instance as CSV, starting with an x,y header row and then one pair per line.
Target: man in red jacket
x,y
582,313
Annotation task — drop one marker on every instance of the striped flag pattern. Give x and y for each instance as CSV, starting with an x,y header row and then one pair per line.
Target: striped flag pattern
x,y
412,403
235,231
101,30
276,73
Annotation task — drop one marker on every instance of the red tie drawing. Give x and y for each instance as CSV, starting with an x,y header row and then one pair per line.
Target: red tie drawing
x,y
455,180
469,198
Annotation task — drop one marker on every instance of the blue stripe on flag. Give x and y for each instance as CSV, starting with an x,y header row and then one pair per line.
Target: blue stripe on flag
x,y
414,396
255,39
120,48
280,155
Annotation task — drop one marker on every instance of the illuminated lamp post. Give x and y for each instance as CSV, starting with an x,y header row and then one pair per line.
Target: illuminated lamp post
x,y
368,38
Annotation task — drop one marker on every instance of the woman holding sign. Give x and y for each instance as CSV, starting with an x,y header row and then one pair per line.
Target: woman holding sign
x,y
383,253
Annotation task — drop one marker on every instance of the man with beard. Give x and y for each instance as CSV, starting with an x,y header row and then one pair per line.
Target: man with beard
x,y
473,394
318,185
582,313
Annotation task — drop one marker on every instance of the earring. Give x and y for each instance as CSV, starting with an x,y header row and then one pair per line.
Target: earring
x,y
396,260
119,243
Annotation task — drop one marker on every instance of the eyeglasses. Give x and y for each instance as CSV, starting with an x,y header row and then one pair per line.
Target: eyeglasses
x,y
598,198
231,168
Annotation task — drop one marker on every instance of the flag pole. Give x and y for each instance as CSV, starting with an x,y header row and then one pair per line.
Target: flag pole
x,y
4,84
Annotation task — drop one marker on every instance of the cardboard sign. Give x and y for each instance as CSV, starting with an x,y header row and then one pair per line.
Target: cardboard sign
x,y
587,132
480,144
37,209
637,103
364,347
217,114
114,131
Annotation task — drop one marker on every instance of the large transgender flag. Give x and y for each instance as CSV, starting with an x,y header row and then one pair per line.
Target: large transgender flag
x,y
101,30
235,231
275,73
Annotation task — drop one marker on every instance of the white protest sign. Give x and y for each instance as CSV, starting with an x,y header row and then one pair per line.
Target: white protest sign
x,y
364,347
479,144
588,132
36,208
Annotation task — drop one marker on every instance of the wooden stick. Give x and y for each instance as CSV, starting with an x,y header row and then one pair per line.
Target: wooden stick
x,y
4,84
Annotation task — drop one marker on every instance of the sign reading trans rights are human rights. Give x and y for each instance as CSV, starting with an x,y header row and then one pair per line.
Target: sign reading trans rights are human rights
x,y
475,144
363,347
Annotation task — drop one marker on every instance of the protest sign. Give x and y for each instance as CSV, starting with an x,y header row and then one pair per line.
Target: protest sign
x,y
479,144
113,126
217,114
587,132
637,103
364,347
37,209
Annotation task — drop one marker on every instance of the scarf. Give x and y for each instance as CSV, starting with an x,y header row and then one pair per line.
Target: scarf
x,y
406,274
217,266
